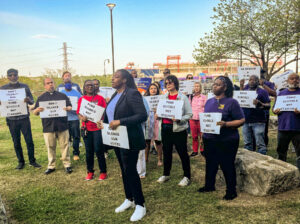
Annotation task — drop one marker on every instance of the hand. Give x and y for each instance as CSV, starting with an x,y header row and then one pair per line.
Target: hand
x,y
84,118
242,82
221,123
297,111
277,111
27,100
175,120
68,108
107,99
114,124
261,82
256,101
39,109
100,125
156,117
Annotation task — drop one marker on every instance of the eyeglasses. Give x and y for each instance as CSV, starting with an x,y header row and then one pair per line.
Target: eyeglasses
x,y
190,78
89,85
12,74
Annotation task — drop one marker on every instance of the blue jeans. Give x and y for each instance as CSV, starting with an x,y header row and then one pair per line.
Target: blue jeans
x,y
258,129
74,132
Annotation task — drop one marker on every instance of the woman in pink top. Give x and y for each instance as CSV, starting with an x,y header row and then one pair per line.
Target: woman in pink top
x,y
197,101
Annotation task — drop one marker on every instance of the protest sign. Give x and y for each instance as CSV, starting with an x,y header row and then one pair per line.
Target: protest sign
x,y
74,102
153,101
53,109
92,111
106,92
117,138
287,103
246,72
169,109
245,98
208,122
12,94
280,80
13,108
186,86
142,84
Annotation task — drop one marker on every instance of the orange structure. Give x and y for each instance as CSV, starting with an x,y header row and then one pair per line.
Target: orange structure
x,y
171,59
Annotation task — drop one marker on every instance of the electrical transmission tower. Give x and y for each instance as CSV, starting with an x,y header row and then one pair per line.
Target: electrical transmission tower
x,y
65,57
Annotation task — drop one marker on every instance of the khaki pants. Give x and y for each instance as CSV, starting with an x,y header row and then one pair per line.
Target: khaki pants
x,y
63,140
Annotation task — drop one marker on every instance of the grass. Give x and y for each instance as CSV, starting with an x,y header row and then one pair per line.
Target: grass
x,y
32,197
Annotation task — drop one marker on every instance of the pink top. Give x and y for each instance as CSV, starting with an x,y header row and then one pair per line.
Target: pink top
x,y
197,104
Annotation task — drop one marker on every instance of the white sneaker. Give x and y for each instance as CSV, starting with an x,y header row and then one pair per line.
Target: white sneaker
x,y
80,144
125,205
184,182
138,214
163,179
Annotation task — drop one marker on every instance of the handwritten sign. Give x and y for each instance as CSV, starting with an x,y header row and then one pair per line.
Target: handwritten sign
x,y
287,103
13,108
117,138
280,80
53,109
153,101
186,86
106,92
170,109
245,98
246,72
92,111
12,94
74,102
208,122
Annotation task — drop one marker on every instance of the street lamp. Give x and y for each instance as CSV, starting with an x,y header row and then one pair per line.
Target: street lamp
x,y
111,7
106,60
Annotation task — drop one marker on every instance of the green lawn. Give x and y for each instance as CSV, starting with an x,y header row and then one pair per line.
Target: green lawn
x,y
32,197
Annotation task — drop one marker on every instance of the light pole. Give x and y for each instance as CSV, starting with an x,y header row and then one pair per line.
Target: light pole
x,y
111,7
241,48
106,60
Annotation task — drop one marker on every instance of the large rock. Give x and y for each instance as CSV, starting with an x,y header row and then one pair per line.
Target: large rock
x,y
3,218
262,175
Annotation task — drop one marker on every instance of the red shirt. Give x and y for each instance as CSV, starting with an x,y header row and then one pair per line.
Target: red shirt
x,y
98,100
167,120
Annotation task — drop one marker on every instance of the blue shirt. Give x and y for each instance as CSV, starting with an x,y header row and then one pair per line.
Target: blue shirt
x,y
110,110
72,116
75,86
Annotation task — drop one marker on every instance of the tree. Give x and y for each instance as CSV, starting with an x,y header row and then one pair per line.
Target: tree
x,y
262,31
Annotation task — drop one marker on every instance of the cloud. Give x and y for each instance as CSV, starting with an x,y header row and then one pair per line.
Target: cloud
x,y
44,36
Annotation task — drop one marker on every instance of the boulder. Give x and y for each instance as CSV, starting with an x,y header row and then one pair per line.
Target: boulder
x,y
262,175
3,218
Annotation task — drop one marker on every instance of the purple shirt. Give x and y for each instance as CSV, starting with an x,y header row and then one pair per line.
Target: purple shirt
x,y
230,110
271,85
257,115
288,120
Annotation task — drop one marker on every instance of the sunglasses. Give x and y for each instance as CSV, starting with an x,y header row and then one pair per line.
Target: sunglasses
x,y
169,83
190,78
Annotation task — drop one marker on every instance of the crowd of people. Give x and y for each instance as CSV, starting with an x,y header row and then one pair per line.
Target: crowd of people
x,y
146,129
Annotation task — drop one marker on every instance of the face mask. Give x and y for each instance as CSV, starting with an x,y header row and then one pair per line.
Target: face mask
x,y
68,86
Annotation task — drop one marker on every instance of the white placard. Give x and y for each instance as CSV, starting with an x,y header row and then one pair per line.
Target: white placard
x,y
245,98
153,101
246,72
187,86
92,111
210,95
12,94
106,92
53,109
280,80
74,102
287,103
13,108
117,138
208,122
169,109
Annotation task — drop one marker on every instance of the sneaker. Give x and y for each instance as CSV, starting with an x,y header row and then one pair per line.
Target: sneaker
x,y
142,177
184,182
124,206
48,171
35,165
139,213
163,179
229,196
102,176
89,176
20,166
69,170
76,158
193,154
205,189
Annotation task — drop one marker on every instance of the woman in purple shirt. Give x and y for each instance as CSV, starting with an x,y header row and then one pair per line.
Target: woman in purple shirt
x,y
221,149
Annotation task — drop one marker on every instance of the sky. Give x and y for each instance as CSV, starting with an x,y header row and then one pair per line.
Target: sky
x,y
32,33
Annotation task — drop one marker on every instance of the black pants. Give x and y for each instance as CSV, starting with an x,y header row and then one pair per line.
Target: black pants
x,y
131,180
221,153
15,128
267,129
283,140
74,132
179,139
93,144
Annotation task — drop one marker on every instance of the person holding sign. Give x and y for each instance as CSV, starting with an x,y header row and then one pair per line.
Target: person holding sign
x,y
91,134
126,108
20,123
197,101
256,118
73,121
152,130
55,127
174,132
220,150
289,122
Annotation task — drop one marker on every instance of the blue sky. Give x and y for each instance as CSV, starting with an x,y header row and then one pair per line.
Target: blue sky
x,y
32,32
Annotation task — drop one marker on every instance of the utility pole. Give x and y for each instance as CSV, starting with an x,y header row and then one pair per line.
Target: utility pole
x,y
65,55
